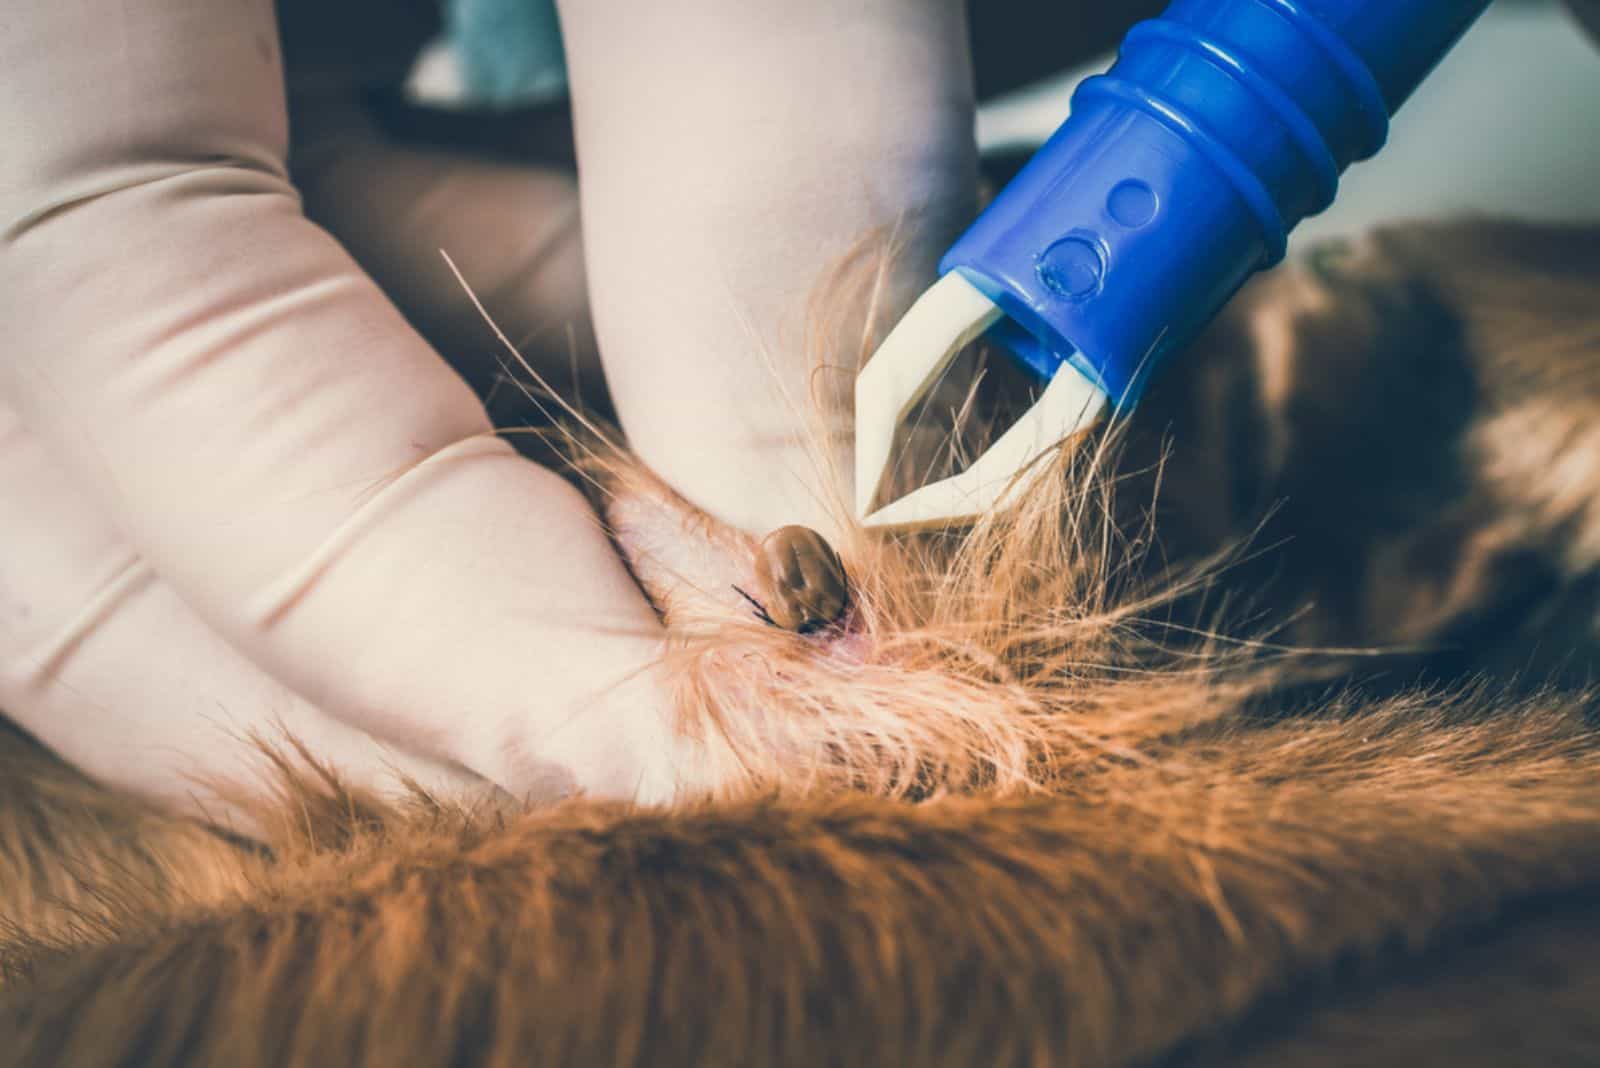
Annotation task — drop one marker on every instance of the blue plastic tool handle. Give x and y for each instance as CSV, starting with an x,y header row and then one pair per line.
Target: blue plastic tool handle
x,y
1182,169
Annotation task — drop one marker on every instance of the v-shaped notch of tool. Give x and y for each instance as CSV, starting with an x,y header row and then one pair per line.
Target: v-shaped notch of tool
x,y
943,321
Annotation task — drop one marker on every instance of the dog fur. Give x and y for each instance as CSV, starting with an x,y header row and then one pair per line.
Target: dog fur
x,y
1259,736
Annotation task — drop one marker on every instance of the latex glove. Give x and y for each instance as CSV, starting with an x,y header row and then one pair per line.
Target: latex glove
x,y
731,153
226,438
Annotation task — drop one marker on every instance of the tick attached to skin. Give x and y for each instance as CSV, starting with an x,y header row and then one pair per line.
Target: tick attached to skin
x,y
802,584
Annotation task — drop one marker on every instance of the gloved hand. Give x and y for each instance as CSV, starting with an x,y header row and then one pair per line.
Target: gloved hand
x,y
731,153
236,486
241,489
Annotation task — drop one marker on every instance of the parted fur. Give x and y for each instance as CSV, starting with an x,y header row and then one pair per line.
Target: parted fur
x,y
1255,737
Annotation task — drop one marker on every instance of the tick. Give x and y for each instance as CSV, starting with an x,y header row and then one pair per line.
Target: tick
x,y
801,581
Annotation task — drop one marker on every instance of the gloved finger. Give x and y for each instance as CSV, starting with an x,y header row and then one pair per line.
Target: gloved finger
x,y
270,433
751,145
102,662
511,229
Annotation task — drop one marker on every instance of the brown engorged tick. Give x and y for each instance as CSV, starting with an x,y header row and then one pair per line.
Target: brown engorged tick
x,y
801,582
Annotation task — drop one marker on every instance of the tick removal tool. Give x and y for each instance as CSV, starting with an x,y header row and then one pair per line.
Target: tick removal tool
x,y
1178,174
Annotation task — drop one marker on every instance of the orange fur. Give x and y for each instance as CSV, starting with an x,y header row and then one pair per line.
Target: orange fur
x,y
1061,796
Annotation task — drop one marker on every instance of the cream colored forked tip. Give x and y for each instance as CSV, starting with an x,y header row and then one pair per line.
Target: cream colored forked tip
x,y
943,321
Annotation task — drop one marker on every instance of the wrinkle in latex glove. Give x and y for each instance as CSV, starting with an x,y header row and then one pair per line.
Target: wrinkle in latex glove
x,y
78,608
251,414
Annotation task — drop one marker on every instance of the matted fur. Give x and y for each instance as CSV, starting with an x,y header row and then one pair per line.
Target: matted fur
x,y
1058,794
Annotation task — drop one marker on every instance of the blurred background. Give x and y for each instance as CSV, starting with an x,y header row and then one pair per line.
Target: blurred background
x,y
1509,124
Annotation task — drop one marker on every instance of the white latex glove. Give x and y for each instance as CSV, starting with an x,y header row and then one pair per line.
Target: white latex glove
x,y
232,472
105,663
234,442
730,153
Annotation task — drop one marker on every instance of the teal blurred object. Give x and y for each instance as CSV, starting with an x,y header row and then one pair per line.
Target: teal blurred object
x,y
508,52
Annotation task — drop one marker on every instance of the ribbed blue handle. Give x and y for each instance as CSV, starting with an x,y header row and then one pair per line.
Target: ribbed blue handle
x,y
1183,168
